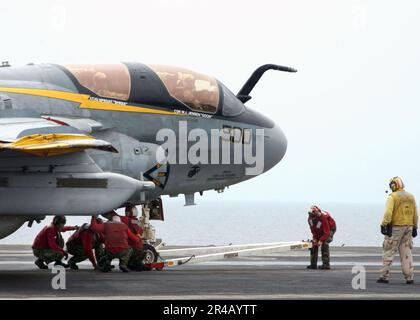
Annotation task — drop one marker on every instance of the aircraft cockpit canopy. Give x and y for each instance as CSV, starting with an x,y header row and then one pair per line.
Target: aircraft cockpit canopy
x,y
105,80
232,106
198,91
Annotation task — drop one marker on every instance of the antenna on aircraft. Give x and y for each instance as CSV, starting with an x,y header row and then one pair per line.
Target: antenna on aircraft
x,y
243,94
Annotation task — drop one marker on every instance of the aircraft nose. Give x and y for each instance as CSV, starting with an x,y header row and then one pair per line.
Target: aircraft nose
x,y
275,147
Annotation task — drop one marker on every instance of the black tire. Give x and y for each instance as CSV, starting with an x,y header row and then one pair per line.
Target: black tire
x,y
140,258
149,255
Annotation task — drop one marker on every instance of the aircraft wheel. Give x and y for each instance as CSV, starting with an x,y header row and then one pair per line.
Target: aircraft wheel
x,y
149,255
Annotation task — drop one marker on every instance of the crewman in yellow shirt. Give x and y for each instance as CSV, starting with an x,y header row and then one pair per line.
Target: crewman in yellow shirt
x,y
399,226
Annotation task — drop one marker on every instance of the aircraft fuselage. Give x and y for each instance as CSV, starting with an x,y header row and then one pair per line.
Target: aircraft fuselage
x,y
133,103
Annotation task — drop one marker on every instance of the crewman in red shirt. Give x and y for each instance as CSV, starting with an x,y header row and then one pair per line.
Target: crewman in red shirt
x,y
323,228
116,235
85,244
133,223
48,244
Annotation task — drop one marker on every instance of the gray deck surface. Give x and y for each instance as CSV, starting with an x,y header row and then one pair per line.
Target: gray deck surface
x,y
274,276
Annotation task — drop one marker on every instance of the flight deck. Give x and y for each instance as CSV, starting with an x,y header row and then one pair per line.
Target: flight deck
x,y
281,275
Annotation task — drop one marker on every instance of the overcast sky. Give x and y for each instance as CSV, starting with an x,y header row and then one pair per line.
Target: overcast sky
x,y
350,114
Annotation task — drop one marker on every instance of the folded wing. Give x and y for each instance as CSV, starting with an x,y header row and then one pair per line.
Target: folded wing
x,y
56,144
45,170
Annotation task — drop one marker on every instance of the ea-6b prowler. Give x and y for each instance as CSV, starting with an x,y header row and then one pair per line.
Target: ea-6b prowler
x,y
84,139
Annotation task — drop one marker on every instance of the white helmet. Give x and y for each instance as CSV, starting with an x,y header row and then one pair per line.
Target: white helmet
x,y
116,219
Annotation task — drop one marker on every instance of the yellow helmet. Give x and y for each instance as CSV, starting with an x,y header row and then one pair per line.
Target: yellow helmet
x,y
396,183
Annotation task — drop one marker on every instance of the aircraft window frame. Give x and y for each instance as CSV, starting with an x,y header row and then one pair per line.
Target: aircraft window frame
x,y
111,81
232,106
197,91
247,136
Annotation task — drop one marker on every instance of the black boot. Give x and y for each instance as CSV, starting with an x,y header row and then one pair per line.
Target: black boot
x,y
73,265
382,280
61,263
325,267
311,266
106,268
409,282
41,264
104,264
124,268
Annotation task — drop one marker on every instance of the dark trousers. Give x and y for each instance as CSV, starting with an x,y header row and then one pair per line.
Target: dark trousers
x,y
123,256
325,251
325,254
78,252
48,255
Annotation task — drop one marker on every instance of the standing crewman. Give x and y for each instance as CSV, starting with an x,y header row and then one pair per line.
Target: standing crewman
x,y
116,235
399,226
48,244
85,244
323,228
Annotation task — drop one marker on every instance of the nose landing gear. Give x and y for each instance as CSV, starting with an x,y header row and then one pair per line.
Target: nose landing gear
x,y
142,259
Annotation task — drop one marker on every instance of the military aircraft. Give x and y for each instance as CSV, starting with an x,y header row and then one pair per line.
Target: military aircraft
x,y
82,139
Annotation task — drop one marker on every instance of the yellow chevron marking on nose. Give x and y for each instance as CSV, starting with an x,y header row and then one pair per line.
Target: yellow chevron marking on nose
x,y
85,101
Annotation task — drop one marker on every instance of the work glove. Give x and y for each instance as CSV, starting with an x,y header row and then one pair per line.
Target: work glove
x,y
414,232
384,230
387,230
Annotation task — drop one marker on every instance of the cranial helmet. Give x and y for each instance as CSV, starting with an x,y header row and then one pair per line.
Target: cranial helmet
x,y
396,183
116,219
131,211
314,210
59,220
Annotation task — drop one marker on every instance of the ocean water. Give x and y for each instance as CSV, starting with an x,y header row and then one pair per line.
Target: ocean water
x,y
241,222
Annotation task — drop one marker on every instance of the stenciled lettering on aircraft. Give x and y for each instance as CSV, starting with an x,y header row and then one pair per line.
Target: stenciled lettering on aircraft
x,y
193,113
195,147
122,103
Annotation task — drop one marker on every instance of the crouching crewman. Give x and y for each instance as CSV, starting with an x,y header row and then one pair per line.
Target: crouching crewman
x,y
133,223
85,244
48,244
116,235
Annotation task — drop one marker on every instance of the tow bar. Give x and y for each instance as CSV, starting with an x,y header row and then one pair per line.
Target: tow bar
x,y
207,254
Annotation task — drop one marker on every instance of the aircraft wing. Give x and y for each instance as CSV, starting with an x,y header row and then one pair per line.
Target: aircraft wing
x,y
11,128
44,169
